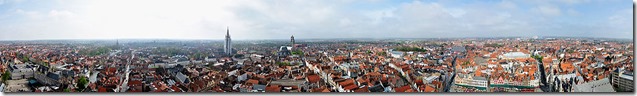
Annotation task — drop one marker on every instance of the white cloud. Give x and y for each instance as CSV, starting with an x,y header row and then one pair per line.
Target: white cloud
x,y
571,2
621,17
572,12
259,19
620,24
508,4
548,10
64,14
30,14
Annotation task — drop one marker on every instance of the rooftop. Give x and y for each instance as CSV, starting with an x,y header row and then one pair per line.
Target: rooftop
x,y
514,55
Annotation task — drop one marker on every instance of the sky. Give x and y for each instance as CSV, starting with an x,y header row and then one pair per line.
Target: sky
x,y
312,19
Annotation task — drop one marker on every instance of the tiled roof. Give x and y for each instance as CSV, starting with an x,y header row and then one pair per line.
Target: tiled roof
x,y
429,89
252,82
313,78
273,88
402,89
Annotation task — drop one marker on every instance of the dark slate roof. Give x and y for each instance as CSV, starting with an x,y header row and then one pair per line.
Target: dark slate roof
x,y
458,49
376,88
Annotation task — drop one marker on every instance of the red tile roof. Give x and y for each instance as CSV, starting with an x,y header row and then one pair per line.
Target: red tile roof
x,y
273,88
101,89
364,89
320,90
350,87
403,88
346,82
175,88
252,82
135,83
313,78
429,89
419,82
567,67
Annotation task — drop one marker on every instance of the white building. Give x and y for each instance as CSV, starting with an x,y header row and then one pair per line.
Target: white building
x,y
624,82
21,71
602,85
471,81
397,54
514,55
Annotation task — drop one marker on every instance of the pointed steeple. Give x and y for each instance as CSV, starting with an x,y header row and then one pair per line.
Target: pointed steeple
x,y
228,44
292,40
227,31
117,43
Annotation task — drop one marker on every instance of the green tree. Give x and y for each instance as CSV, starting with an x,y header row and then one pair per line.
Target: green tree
x,y
198,55
297,52
415,49
382,53
67,90
6,76
283,63
493,45
537,57
570,51
46,64
95,52
25,58
81,83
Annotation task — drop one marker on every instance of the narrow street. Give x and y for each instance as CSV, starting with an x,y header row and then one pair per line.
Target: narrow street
x,y
127,73
450,79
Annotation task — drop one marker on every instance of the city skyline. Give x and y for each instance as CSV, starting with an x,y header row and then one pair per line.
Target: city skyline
x,y
250,20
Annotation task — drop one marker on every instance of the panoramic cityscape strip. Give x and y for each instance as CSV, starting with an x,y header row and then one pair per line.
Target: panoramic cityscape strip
x,y
316,46
529,64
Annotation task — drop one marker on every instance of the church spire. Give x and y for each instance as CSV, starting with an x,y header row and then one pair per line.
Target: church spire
x,y
227,31
117,43
228,43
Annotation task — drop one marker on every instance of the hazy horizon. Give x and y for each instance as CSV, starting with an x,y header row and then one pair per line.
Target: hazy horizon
x,y
301,39
324,19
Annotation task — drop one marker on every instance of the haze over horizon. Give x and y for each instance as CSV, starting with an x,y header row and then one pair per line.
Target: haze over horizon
x,y
313,19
